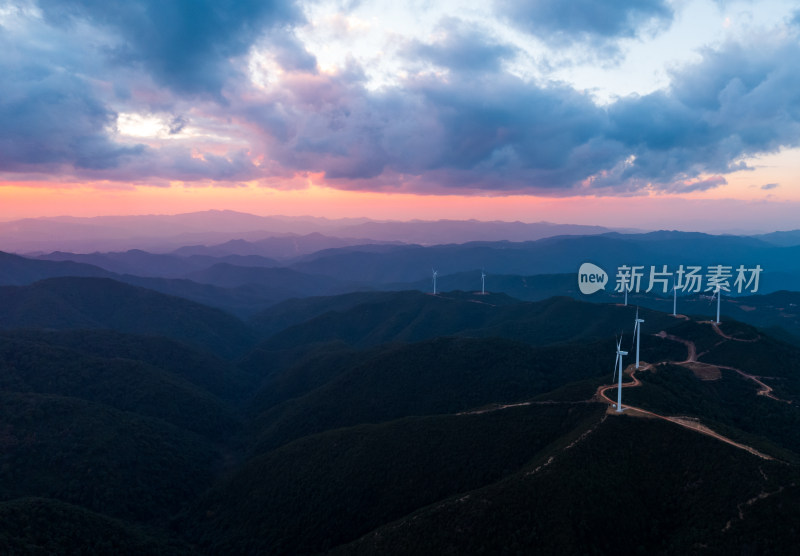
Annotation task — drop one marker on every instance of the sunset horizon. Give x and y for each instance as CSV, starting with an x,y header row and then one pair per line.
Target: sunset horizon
x,y
649,115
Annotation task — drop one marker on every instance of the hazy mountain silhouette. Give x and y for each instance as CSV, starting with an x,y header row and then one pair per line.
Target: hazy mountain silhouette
x,y
20,271
248,290
555,255
135,262
461,231
285,280
785,239
163,233
283,247
72,303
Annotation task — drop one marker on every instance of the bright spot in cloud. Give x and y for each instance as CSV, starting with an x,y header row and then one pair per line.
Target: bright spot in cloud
x,y
138,125
263,70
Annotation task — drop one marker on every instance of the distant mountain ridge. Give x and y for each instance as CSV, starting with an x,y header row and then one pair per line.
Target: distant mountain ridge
x,y
555,255
164,233
76,303
785,238
425,232
245,277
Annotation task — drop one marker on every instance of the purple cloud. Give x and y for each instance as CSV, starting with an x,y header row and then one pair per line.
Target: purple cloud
x,y
475,127
49,118
497,132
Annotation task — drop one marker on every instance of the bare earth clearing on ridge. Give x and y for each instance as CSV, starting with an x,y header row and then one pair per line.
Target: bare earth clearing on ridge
x,y
703,371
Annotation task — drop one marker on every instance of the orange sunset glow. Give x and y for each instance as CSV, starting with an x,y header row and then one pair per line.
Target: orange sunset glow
x,y
432,117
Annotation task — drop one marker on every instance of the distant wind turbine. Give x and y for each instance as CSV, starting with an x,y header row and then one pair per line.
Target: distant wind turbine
x,y
435,274
637,331
618,368
483,282
674,300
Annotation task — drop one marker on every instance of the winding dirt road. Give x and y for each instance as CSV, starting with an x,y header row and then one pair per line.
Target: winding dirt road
x,y
685,422
691,423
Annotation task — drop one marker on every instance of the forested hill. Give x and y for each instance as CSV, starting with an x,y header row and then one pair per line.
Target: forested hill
x,y
134,422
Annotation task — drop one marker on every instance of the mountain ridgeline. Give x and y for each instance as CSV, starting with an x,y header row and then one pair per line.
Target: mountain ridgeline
x,y
206,401
247,277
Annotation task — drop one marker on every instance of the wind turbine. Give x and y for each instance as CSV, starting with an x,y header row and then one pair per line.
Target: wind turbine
x,y
435,274
483,282
674,300
618,365
637,331
626,294
718,295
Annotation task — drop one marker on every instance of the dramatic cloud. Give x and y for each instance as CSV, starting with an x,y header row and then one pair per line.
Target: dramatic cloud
x,y
495,132
585,21
499,132
50,116
225,92
736,103
462,47
184,44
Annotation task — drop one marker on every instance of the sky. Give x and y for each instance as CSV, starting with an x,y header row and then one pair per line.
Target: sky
x,y
637,113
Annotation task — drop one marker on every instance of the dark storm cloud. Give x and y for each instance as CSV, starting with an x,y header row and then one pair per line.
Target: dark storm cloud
x,y
498,130
584,21
185,45
57,85
462,47
736,103
177,124
501,126
49,117
494,131
290,53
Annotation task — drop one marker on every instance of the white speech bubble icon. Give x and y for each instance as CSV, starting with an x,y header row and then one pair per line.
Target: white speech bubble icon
x,y
591,278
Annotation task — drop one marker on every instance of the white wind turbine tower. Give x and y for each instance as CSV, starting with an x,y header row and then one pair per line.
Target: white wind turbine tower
x,y
637,331
674,300
627,287
718,295
618,368
435,274
483,282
